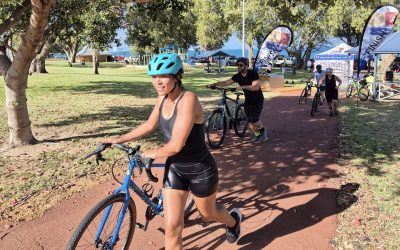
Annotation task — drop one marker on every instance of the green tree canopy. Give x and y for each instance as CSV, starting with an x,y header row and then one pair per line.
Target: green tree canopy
x,y
148,30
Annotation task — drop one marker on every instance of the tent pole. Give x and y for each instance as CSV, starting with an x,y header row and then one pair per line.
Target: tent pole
x,y
376,58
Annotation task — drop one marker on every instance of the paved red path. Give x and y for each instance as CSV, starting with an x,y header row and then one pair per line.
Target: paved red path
x,y
284,188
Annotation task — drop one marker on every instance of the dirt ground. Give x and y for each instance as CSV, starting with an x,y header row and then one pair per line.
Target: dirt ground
x,y
285,188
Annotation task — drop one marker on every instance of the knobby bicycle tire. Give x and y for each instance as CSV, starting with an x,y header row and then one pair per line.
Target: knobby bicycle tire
x,y
188,208
349,91
303,96
363,93
216,123
240,118
314,105
96,211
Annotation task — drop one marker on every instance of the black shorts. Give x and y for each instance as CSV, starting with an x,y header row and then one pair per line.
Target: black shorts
x,y
253,111
199,178
331,95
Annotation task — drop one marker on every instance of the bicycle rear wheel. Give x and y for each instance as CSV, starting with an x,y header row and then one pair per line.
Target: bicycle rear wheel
x,y
314,105
363,94
240,122
216,129
188,208
303,96
349,91
84,235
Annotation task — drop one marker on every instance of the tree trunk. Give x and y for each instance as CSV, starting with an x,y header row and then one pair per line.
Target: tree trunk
x,y
251,55
33,67
41,57
307,54
95,56
16,77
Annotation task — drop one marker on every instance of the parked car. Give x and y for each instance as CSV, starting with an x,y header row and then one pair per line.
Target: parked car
x,y
289,61
279,60
231,61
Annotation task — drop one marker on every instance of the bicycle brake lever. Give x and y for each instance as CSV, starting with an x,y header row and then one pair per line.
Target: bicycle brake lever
x,y
150,175
99,157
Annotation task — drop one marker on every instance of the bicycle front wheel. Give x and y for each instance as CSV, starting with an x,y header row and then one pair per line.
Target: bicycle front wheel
x,y
240,122
363,94
84,236
216,129
314,105
349,91
303,96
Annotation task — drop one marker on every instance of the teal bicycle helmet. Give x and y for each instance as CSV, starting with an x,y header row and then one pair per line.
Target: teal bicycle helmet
x,y
165,63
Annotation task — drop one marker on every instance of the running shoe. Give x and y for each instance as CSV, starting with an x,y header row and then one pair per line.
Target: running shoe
x,y
233,234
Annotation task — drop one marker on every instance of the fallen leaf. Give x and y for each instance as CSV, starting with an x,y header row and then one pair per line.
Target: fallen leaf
x,y
357,222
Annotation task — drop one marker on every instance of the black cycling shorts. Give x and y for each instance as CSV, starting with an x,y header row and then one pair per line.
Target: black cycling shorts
x,y
199,178
331,95
253,111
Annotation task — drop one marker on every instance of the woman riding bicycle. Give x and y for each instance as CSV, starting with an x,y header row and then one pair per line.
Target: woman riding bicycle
x,y
189,166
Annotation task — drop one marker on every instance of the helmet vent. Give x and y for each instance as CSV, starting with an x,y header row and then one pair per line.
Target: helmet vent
x,y
170,65
159,66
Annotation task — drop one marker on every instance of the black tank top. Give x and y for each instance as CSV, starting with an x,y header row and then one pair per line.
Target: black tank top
x,y
330,83
195,149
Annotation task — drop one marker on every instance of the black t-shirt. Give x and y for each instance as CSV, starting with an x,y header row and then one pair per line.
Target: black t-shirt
x,y
250,96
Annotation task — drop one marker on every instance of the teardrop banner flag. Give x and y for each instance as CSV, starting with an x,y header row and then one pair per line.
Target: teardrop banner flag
x,y
377,27
277,40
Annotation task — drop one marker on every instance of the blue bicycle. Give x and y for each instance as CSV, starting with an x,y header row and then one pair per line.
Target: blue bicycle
x,y
112,222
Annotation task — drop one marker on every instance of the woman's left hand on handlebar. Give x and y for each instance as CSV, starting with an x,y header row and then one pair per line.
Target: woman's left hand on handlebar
x,y
149,154
110,141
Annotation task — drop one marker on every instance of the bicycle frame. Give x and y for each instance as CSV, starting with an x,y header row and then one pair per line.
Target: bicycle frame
x,y
224,104
128,183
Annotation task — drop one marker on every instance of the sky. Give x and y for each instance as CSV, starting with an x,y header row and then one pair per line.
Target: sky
x,y
233,43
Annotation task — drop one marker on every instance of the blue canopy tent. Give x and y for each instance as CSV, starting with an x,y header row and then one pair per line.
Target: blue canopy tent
x,y
391,45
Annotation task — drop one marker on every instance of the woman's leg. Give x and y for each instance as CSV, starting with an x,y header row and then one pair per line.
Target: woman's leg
x,y
174,209
211,211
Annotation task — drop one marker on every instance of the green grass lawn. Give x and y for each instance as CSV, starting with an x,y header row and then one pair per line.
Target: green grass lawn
x,y
71,110
370,148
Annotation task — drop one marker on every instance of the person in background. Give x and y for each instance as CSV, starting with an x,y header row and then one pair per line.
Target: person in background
x,y
249,82
332,90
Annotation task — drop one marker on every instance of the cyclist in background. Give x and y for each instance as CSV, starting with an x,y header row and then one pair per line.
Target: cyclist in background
x,y
189,165
249,82
332,90
317,76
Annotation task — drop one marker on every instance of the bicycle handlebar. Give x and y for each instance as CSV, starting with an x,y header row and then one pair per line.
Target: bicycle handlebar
x,y
222,89
131,152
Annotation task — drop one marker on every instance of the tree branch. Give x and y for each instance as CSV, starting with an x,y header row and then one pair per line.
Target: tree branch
x,y
34,34
5,62
15,17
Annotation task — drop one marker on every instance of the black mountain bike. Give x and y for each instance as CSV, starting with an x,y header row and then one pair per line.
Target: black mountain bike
x,y
222,117
316,101
305,93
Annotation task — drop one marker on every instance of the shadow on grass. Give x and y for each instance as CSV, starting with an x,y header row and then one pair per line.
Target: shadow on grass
x,y
370,134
